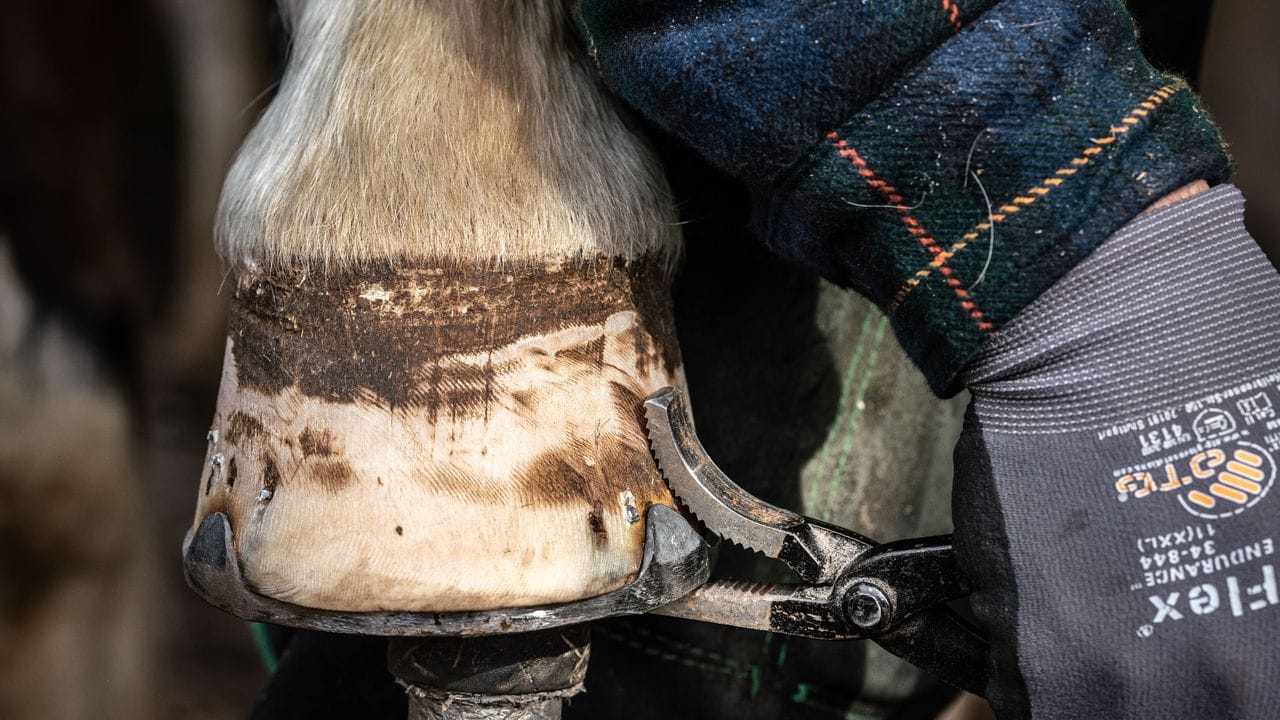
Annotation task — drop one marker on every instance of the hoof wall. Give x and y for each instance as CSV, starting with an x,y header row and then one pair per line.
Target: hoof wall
x,y
675,562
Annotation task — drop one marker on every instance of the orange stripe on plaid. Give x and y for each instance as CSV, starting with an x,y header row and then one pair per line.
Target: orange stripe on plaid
x,y
953,13
1030,197
913,226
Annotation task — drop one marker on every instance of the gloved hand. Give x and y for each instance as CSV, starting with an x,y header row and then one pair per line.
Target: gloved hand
x,y
954,162
1114,499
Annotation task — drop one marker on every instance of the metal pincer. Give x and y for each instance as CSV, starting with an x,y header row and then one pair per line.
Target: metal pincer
x,y
853,588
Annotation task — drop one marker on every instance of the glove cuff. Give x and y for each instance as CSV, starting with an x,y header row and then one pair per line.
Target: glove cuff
x,y
989,170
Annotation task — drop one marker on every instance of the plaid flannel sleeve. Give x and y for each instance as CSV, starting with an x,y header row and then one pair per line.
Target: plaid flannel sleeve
x,y
949,159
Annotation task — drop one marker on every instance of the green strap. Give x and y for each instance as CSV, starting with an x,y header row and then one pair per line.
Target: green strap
x,y
266,653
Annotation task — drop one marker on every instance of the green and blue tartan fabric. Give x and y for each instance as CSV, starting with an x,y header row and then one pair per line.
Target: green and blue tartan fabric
x,y
948,159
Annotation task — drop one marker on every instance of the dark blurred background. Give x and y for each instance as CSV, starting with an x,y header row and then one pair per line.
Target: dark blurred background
x,y
117,122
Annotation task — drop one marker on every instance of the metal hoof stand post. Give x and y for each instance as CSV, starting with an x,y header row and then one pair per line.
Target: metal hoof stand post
x,y
508,677
520,663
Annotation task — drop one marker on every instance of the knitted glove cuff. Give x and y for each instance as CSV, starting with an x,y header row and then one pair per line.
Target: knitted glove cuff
x,y
949,159
989,170
752,85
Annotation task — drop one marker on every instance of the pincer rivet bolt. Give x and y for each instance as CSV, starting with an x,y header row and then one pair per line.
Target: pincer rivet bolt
x,y
866,606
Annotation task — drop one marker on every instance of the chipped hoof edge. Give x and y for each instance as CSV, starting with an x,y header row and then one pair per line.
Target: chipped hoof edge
x,y
675,562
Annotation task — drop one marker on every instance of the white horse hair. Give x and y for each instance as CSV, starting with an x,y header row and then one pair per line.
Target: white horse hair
x,y
413,130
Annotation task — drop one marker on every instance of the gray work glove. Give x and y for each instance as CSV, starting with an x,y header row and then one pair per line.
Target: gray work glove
x,y
1114,498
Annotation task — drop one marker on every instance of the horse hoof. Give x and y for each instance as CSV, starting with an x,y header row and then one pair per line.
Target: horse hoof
x,y
437,440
